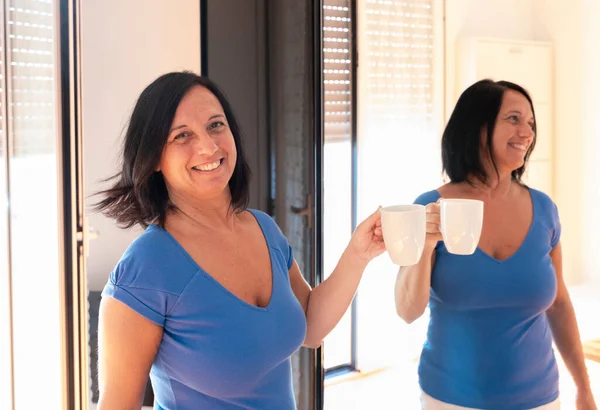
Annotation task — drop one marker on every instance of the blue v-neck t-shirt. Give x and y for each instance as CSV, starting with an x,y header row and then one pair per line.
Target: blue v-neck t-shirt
x,y
217,351
489,345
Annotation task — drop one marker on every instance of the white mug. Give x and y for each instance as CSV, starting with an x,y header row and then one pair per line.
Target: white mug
x,y
461,223
404,232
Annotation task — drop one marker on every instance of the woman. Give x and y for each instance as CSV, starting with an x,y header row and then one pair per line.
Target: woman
x,y
494,314
209,299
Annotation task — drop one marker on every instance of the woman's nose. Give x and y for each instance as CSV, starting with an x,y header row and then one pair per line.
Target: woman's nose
x,y
205,145
527,131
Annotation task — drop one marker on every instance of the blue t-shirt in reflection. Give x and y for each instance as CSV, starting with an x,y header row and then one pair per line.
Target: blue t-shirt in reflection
x,y
488,344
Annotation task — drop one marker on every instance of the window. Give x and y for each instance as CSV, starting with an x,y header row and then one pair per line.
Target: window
x,y
30,236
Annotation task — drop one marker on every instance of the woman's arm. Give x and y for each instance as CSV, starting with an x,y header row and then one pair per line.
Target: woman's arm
x,y
127,345
325,305
411,291
413,283
565,332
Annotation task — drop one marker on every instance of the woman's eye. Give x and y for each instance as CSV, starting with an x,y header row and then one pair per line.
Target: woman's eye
x,y
182,135
216,124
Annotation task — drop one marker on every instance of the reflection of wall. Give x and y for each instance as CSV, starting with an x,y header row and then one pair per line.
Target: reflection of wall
x,y
561,22
508,19
591,135
571,27
124,46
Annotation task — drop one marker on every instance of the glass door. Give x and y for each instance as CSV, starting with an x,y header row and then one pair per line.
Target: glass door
x,y
39,237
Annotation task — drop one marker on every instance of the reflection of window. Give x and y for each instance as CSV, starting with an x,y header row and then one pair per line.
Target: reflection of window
x,y
396,53
390,158
337,78
397,133
396,49
398,107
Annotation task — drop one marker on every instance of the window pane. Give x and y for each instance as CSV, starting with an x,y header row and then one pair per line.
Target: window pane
x,y
33,178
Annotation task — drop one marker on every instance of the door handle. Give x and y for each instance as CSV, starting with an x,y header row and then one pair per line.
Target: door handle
x,y
300,211
306,211
87,234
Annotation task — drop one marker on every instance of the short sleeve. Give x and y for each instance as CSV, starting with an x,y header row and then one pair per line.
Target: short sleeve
x,y
282,243
150,303
556,226
275,236
151,275
427,198
290,256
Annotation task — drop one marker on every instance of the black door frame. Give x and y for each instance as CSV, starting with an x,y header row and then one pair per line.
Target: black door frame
x,y
317,182
73,280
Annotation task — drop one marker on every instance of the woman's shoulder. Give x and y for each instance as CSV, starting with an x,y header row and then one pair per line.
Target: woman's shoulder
x,y
542,200
272,232
151,275
546,214
266,222
154,260
153,244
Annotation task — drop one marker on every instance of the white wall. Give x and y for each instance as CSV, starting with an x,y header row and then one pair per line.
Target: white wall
x,y
125,45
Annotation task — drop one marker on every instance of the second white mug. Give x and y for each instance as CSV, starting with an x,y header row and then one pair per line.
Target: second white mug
x,y
461,223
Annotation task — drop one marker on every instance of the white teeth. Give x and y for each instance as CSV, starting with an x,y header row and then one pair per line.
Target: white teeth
x,y
519,146
208,167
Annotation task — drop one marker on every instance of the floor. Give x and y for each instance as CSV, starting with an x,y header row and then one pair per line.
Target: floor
x,y
396,387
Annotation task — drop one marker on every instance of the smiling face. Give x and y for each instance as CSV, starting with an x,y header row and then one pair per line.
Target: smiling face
x,y
199,156
513,132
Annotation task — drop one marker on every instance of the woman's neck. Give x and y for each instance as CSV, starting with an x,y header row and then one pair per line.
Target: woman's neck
x,y
496,185
212,214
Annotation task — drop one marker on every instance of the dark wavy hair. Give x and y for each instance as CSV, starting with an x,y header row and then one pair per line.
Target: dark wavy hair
x,y
476,110
139,195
